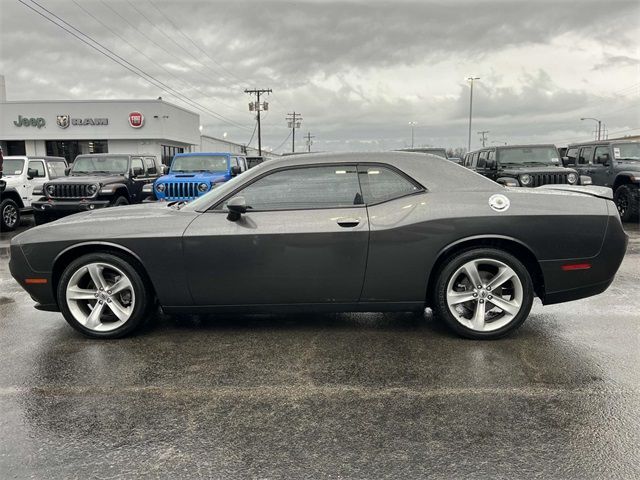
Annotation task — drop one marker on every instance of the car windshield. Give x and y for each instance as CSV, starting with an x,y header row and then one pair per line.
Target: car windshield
x,y
528,156
200,163
86,165
626,151
12,166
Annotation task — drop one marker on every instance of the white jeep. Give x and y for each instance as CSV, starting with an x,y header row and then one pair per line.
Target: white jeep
x,y
21,175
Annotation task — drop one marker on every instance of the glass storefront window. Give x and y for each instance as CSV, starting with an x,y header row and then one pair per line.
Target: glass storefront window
x,y
70,149
168,152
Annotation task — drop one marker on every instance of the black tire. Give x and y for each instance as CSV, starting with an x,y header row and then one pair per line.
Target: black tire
x,y
9,215
627,198
143,298
451,266
118,202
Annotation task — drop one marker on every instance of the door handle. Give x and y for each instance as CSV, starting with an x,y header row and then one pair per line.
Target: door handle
x,y
348,222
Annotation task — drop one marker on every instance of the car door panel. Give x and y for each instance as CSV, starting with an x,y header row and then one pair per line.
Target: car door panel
x,y
277,257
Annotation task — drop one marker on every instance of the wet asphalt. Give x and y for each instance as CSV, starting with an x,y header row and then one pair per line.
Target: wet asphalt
x,y
358,396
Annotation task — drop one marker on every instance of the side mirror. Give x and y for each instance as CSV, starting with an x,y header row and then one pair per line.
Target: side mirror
x,y
236,206
235,170
66,171
164,170
31,173
136,172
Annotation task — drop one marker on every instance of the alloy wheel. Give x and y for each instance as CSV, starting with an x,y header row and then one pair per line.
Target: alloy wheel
x,y
10,215
484,294
100,297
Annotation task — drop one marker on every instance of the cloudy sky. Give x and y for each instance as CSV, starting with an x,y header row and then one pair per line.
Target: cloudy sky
x,y
358,71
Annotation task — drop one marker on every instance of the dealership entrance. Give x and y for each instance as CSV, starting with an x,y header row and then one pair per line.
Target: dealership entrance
x,y
69,149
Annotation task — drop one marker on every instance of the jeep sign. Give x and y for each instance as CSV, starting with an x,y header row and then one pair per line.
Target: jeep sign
x,y
29,122
136,119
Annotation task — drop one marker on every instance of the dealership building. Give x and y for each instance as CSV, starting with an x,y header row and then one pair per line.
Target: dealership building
x,y
71,127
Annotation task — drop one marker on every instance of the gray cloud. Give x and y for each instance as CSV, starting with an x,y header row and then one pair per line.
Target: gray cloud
x,y
343,64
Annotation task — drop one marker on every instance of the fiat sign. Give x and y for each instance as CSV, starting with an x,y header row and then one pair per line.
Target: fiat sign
x,y
136,119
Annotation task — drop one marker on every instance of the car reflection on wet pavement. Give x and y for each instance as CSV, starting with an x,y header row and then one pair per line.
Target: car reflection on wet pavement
x,y
332,396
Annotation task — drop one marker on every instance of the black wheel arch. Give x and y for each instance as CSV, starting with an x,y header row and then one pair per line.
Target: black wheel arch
x,y
623,178
510,245
12,194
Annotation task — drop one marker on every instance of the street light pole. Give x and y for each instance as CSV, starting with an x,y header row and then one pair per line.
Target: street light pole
x,y
470,79
412,124
599,125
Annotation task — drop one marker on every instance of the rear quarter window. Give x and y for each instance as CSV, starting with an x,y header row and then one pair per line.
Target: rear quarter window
x,y
380,184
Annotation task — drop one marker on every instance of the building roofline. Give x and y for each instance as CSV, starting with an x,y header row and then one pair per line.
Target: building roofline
x,y
113,100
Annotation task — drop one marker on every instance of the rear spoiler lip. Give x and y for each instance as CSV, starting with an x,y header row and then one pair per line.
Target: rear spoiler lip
x,y
591,190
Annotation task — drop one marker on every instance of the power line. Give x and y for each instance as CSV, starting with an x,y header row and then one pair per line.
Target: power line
x,y
283,142
252,133
168,72
194,43
126,64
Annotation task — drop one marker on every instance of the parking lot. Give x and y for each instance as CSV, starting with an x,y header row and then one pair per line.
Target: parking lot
x,y
331,396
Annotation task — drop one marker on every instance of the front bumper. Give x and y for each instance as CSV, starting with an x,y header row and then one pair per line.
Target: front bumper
x,y
41,293
61,208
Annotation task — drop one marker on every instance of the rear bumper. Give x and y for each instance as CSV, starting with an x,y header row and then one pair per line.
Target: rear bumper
x,y
567,285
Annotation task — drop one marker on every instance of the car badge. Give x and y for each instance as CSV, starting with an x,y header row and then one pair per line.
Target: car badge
x,y
62,121
499,203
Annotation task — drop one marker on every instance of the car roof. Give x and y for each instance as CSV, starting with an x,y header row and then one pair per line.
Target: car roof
x,y
601,142
439,174
201,154
522,145
46,158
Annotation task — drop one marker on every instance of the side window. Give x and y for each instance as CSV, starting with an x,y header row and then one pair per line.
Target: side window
x,y
482,159
492,155
243,164
305,188
137,163
151,165
474,159
585,155
38,166
380,184
601,155
572,156
56,169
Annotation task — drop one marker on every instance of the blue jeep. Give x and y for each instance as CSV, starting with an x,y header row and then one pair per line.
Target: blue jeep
x,y
194,174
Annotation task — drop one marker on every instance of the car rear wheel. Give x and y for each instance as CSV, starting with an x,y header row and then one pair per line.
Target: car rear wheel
x,y
484,293
9,215
627,198
103,296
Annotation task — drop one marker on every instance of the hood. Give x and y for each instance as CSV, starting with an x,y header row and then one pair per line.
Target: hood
x,y
82,179
193,177
532,169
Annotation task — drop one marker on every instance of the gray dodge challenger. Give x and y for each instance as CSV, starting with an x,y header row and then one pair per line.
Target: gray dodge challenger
x,y
330,232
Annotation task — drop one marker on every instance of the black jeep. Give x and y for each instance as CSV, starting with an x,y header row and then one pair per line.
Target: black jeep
x,y
614,164
523,166
96,181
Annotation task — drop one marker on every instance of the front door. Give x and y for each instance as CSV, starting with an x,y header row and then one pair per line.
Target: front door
x,y
303,240
601,167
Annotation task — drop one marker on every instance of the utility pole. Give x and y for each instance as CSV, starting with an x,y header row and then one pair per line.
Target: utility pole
x,y
484,136
258,107
598,132
309,141
412,125
470,79
294,119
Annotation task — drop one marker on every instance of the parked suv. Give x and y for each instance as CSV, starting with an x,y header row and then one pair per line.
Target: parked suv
x,y
614,164
523,166
194,174
23,177
97,181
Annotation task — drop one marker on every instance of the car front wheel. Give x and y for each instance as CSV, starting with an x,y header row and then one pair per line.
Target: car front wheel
x,y
627,198
483,293
102,295
9,215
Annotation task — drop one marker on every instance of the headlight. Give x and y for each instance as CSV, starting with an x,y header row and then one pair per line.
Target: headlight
x,y
585,180
525,179
203,187
147,188
160,187
51,190
572,178
509,182
92,189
